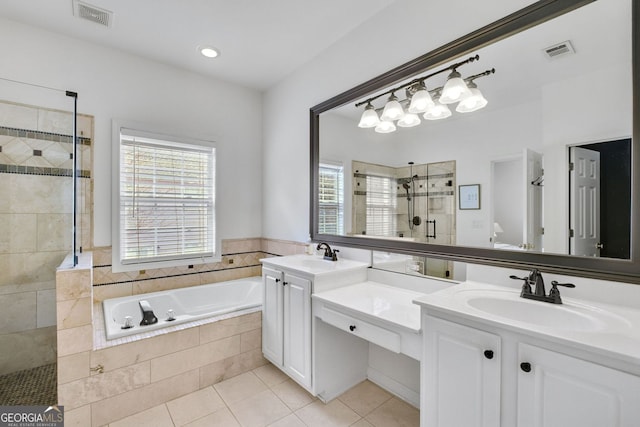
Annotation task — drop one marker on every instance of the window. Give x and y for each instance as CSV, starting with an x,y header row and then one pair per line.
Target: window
x,y
331,215
381,206
165,201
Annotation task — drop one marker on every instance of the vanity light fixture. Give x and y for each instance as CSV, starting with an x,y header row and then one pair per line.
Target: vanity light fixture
x,y
369,117
421,100
392,109
437,112
455,89
433,103
209,51
474,102
385,127
409,120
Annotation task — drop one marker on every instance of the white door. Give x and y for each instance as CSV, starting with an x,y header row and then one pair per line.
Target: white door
x,y
272,315
297,329
460,384
562,391
533,181
584,221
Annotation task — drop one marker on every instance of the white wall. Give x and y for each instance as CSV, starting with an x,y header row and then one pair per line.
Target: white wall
x,y
363,54
112,84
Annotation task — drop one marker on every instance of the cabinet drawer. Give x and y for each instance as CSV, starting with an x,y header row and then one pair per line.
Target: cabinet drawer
x,y
372,333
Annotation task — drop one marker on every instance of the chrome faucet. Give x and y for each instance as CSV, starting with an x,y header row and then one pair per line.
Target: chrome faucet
x,y
329,254
540,294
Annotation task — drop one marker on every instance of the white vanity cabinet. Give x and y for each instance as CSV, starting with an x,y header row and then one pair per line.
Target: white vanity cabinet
x,y
289,282
487,376
286,323
556,390
461,375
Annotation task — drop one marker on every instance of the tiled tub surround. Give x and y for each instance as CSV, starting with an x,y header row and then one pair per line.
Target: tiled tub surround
x,y
144,373
35,222
240,259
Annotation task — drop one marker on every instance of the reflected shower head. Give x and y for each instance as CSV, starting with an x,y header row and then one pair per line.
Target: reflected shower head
x,y
406,186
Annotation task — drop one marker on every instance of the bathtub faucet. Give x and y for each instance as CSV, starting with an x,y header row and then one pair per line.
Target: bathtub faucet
x,y
329,254
148,318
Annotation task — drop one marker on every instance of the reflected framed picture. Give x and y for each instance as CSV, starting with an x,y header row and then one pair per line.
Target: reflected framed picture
x,y
469,196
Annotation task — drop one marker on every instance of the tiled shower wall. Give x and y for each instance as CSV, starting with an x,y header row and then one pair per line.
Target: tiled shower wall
x,y
35,225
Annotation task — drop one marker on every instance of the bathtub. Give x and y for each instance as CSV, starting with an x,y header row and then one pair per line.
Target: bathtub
x,y
188,304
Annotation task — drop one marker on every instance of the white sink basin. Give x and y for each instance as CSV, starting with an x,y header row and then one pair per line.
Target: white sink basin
x,y
569,316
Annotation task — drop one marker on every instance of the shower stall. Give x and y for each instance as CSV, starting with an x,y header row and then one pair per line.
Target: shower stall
x,y
414,202
45,214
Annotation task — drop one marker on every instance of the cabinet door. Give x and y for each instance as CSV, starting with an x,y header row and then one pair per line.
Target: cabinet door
x,y
560,391
460,376
297,328
272,315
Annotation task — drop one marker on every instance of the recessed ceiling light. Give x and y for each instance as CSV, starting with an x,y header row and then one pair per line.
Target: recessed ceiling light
x,y
209,51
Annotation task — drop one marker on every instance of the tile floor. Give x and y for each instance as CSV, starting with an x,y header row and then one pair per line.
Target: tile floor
x,y
266,397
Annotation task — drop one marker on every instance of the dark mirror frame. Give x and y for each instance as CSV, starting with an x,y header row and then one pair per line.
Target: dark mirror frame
x,y
539,12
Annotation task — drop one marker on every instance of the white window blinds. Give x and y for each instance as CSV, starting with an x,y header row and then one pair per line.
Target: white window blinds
x,y
331,204
167,199
381,206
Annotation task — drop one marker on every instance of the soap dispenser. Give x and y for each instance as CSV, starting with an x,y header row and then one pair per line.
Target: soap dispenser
x,y
311,249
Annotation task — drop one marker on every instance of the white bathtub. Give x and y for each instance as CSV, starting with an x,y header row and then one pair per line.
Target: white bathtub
x,y
188,304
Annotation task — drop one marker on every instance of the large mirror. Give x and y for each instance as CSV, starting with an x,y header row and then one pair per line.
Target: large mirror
x,y
533,166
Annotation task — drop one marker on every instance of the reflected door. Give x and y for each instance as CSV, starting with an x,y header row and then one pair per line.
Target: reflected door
x,y
584,222
532,225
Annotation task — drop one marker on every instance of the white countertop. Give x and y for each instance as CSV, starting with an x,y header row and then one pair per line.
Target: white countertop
x,y
313,264
617,336
376,300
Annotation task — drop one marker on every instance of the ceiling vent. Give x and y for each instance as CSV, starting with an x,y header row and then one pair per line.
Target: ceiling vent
x,y
561,49
92,13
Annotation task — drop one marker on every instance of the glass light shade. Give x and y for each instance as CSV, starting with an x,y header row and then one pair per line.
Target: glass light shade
x,y
369,117
420,102
409,120
472,103
392,110
454,90
385,127
437,112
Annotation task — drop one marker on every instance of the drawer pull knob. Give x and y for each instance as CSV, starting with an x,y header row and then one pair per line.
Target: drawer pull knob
x,y
525,366
488,354
352,328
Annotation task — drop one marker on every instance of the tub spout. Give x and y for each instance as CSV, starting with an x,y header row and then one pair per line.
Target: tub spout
x,y
148,318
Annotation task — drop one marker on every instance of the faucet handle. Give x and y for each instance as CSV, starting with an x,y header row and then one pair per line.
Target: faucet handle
x,y
554,293
566,285
526,284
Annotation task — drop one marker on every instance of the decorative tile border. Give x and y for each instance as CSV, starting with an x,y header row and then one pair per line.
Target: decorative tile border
x,y
420,194
45,171
45,136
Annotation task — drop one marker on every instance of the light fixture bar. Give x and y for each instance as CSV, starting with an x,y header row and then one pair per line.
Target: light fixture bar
x,y
420,79
475,76
436,91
